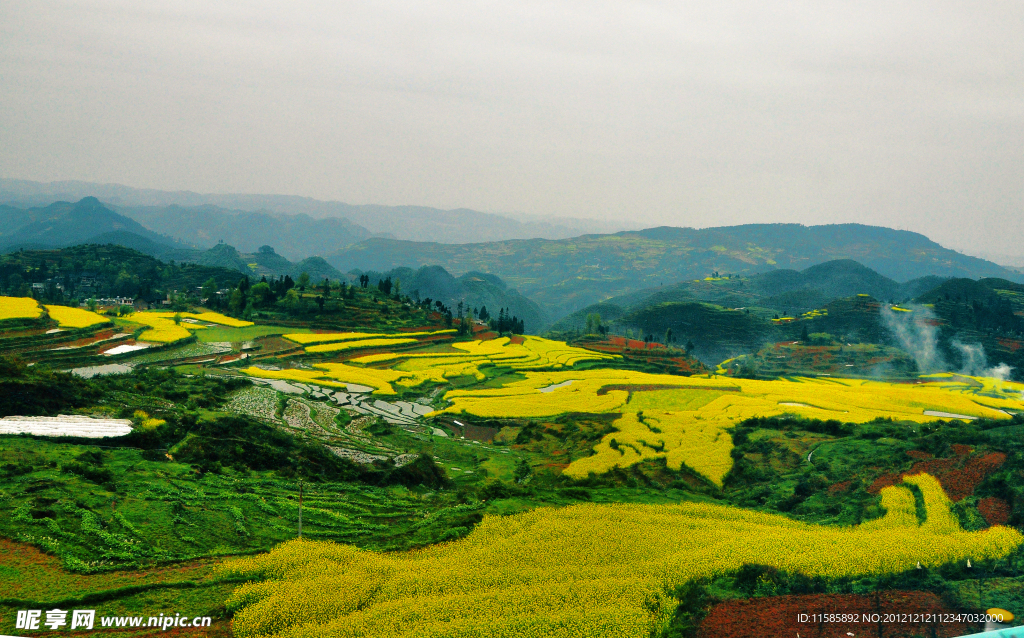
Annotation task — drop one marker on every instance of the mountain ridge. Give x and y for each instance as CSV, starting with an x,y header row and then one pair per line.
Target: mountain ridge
x,y
405,221
569,274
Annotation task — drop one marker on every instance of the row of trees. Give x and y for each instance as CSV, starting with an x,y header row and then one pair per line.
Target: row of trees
x,y
594,326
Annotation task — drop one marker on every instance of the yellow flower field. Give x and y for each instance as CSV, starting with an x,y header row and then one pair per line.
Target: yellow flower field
x,y
414,369
579,571
164,330
217,318
335,375
690,425
19,308
361,343
685,420
328,337
67,317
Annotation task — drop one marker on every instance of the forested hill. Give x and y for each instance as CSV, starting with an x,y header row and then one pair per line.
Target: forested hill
x,y
568,274
66,223
474,289
80,272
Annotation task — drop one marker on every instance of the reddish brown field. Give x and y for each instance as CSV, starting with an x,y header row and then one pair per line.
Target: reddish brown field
x,y
995,510
959,475
777,616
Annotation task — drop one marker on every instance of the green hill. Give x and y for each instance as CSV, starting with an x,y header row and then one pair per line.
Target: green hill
x,y
65,224
106,270
474,289
566,275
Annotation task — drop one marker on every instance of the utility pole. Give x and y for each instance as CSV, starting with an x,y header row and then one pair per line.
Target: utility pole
x,y
300,508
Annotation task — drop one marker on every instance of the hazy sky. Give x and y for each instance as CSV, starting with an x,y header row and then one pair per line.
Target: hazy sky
x,y
899,113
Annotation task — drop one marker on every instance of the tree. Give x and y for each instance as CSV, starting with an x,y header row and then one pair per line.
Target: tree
x,y
668,336
237,301
210,290
303,281
484,315
593,323
522,472
804,337
261,294
689,346
320,302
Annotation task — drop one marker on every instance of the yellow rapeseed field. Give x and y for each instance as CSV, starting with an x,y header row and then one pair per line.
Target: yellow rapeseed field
x,y
360,343
534,353
690,425
67,317
414,369
19,308
162,328
336,375
216,317
685,420
328,337
582,571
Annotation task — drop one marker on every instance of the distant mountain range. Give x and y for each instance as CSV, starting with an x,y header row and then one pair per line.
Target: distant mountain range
x,y
566,275
561,276
158,210
65,224
295,236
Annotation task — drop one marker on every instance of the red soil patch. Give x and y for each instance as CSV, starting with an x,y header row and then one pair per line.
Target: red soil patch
x,y
995,510
959,475
920,455
1013,345
778,616
840,487
517,339
633,344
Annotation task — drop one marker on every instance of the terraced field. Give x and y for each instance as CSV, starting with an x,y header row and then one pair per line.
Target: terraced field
x,y
687,419
586,570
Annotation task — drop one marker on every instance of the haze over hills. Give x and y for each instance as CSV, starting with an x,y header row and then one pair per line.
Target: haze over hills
x,y
294,236
567,275
560,276
64,224
419,223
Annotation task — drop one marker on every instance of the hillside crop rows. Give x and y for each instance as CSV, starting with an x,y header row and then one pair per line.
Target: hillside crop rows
x,y
586,570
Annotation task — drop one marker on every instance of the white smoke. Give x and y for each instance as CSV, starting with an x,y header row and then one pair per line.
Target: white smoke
x,y
975,362
972,358
917,333
1001,372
